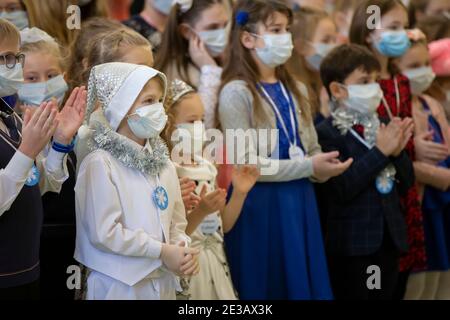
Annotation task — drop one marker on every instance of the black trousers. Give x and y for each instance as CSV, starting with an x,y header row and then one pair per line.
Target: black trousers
x,y
29,291
349,275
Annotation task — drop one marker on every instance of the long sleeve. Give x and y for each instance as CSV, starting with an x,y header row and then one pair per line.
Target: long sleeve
x,y
179,222
101,213
12,179
405,172
361,173
235,109
208,89
53,166
53,171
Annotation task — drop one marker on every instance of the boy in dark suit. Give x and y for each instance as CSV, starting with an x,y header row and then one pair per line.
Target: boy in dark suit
x,y
365,228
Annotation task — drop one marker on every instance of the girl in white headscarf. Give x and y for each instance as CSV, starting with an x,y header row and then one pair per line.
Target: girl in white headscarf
x,y
130,214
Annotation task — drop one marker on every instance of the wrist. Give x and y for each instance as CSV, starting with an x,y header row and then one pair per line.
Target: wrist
x,y
383,151
239,193
163,251
27,151
314,167
63,147
62,140
202,212
208,63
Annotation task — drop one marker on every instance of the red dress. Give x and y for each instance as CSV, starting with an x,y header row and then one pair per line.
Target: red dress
x,y
415,258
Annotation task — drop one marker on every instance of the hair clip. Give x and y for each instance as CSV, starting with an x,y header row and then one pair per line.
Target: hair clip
x,y
185,5
242,18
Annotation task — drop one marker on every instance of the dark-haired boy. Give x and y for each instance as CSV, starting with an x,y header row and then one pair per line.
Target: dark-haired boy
x,y
365,228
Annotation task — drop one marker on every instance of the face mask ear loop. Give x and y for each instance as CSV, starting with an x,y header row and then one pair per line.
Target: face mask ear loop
x,y
334,104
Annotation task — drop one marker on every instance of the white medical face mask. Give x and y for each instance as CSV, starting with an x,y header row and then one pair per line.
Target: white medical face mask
x,y
17,18
321,51
36,93
10,79
420,79
363,98
193,132
216,41
277,50
148,121
163,6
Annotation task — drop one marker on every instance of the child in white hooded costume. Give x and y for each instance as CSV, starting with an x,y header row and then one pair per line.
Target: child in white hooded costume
x,y
130,214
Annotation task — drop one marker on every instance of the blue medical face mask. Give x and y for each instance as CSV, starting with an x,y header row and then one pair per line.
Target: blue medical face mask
x,y
17,18
163,6
36,93
321,51
148,121
277,50
216,41
363,98
10,79
393,44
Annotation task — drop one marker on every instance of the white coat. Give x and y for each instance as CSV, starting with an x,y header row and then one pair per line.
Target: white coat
x,y
120,231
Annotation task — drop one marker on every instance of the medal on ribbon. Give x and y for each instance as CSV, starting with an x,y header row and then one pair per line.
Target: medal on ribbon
x,y
33,177
160,198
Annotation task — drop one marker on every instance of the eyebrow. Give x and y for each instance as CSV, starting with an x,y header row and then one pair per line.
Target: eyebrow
x,y
364,77
148,95
214,26
275,25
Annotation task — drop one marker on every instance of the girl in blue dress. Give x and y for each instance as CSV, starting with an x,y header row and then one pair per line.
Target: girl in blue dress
x,y
275,249
432,171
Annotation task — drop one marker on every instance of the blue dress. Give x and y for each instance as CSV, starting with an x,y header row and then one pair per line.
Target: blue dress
x,y
276,250
436,215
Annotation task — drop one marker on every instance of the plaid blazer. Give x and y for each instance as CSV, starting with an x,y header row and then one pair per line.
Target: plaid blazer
x,y
356,214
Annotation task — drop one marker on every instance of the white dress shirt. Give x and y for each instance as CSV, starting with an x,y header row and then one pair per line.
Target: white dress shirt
x,y
52,167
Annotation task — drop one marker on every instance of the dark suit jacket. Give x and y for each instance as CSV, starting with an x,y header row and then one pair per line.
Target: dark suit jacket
x,y
356,213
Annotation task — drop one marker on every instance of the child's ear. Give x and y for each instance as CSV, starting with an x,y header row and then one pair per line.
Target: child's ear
x,y
84,62
369,38
337,91
247,40
185,31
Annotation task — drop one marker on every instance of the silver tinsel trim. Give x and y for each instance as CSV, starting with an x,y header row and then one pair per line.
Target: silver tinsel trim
x,y
344,119
177,90
130,155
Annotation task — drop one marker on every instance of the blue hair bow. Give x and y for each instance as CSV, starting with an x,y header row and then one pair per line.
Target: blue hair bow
x,y
242,18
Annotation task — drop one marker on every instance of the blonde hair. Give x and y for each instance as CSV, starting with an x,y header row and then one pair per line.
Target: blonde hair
x,y
90,30
46,47
9,32
172,111
305,23
345,5
51,16
109,47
